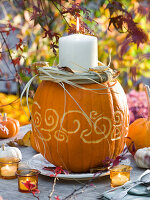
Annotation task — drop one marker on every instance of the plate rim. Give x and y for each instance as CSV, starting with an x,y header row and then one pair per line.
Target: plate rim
x,y
70,176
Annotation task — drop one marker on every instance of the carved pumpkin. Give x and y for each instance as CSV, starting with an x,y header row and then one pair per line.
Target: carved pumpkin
x,y
77,140
9,127
139,130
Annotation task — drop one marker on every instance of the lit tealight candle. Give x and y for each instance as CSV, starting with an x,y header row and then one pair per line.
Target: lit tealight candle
x,y
24,181
8,167
27,180
119,179
8,170
119,175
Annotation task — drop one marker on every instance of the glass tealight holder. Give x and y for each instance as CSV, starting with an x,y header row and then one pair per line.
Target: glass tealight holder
x,y
119,175
27,180
8,167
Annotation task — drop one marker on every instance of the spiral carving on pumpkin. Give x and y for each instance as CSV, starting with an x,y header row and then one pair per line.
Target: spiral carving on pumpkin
x,y
94,114
96,124
51,119
37,119
118,129
73,127
61,136
76,124
101,130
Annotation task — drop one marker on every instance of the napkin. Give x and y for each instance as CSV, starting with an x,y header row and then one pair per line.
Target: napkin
x,y
138,192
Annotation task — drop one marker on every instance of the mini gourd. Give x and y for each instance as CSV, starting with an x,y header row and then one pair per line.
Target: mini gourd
x,y
139,130
10,152
9,127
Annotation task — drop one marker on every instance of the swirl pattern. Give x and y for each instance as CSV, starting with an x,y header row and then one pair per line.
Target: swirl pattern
x,y
101,127
118,129
61,136
51,119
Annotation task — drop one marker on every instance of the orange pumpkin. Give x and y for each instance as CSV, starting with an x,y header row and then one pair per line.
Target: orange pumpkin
x,y
139,130
9,127
76,139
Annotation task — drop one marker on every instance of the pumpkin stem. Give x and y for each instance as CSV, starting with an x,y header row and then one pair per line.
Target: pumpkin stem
x,y
147,90
5,117
3,147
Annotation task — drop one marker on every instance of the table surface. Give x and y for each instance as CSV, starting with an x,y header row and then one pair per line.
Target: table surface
x,y
63,188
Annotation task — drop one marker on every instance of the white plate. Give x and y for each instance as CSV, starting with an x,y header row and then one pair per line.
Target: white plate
x,y
39,162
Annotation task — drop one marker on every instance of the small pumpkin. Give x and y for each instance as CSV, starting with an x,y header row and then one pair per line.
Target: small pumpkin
x,y
139,130
9,127
142,157
10,152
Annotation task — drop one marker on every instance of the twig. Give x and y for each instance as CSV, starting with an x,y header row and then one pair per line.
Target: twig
x,y
76,190
9,79
60,12
10,102
37,197
43,12
8,50
53,188
6,64
83,187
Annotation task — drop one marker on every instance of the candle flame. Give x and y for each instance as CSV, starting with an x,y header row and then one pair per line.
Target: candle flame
x,y
7,167
78,24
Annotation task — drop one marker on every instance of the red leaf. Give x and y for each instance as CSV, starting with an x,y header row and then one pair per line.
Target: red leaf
x,y
56,171
67,69
29,185
133,149
7,33
124,47
18,46
116,161
12,27
123,22
137,35
16,61
57,198
35,191
17,78
131,146
52,175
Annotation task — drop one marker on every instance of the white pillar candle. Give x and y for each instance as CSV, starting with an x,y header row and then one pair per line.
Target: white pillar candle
x,y
78,52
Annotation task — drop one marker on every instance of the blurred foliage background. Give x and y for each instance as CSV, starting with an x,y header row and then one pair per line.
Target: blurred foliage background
x,y
31,30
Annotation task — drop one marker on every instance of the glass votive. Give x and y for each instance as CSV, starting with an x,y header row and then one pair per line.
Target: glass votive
x,y
8,168
27,180
119,175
